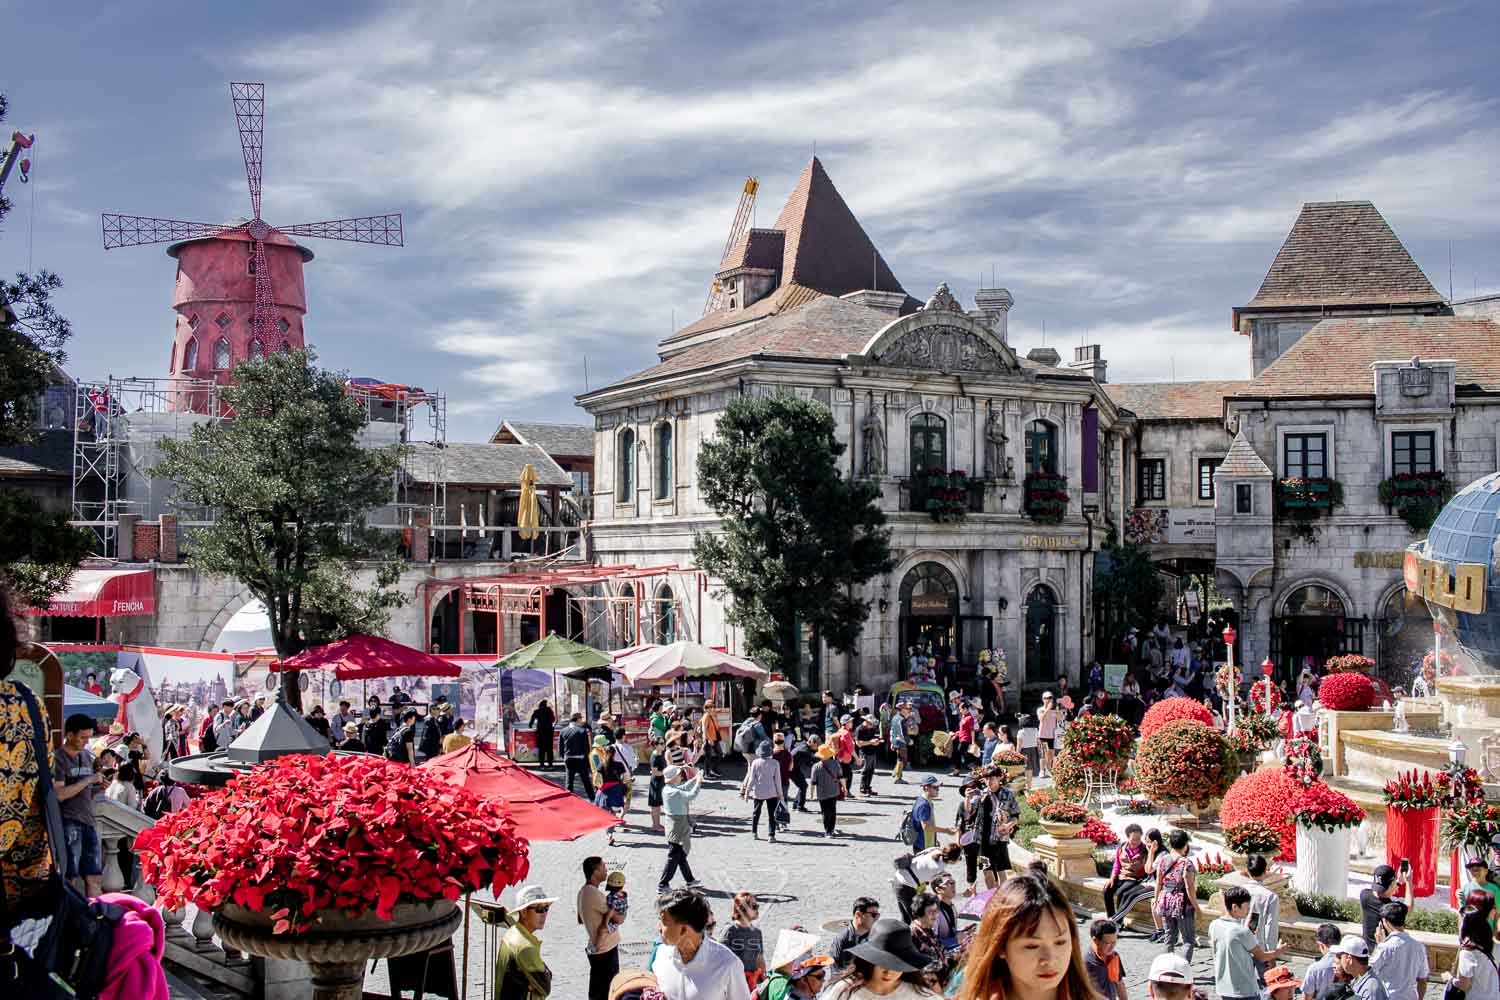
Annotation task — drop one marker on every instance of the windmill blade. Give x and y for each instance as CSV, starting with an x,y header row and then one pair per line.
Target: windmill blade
x,y
260,319
382,229
250,117
133,230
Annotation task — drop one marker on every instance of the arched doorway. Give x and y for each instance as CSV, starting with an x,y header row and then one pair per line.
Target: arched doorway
x,y
445,636
1041,635
929,608
1405,637
1313,625
665,613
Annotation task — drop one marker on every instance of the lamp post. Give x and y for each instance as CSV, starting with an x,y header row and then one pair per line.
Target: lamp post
x,y
1267,668
1229,636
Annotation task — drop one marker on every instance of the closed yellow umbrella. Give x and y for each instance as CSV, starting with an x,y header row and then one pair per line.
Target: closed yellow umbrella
x,y
529,517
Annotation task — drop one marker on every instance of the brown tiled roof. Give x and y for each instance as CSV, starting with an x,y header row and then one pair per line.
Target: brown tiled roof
x,y
826,247
561,440
1243,459
784,298
1342,253
758,248
1334,357
1173,400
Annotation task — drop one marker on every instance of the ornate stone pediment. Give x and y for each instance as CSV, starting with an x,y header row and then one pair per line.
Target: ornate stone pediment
x,y
946,348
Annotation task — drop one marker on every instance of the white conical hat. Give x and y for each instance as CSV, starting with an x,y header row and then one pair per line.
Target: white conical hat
x,y
790,946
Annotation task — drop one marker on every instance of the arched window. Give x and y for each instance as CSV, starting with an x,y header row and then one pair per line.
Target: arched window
x,y
1041,448
666,616
190,355
625,467
929,444
257,350
222,355
1041,635
625,620
664,471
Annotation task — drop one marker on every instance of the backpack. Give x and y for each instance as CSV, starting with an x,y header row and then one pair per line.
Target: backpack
x,y
207,742
395,747
907,833
764,989
429,738
744,737
156,802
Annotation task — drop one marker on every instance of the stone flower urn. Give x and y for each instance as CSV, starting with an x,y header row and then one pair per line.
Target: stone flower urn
x,y
337,947
1062,831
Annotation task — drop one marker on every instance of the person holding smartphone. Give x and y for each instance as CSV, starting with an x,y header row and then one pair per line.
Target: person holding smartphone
x,y
1383,889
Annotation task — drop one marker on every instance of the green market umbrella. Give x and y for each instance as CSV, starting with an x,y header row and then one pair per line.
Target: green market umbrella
x,y
554,653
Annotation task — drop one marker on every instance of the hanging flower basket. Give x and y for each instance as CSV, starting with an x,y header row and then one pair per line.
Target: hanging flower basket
x,y
1417,497
1300,502
947,495
1046,497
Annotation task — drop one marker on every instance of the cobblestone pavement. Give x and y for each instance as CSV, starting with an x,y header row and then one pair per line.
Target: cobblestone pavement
x,y
803,880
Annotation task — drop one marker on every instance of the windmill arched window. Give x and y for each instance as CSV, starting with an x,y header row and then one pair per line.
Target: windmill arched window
x,y
625,468
257,350
664,470
190,355
222,355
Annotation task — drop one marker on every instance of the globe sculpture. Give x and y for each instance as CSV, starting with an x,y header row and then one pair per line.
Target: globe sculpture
x,y
1462,550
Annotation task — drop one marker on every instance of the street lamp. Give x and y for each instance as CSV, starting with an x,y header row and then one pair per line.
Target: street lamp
x,y
1229,636
1268,668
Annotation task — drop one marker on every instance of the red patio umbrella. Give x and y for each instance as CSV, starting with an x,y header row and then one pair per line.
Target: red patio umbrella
x,y
541,810
365,657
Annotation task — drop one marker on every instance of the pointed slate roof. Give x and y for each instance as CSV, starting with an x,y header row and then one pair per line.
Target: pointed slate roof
x,y
1342,253
1242,460
826,247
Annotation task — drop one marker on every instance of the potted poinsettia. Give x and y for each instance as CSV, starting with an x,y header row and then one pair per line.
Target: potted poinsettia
x,y
1063,820
1324,817
1412,804
332,860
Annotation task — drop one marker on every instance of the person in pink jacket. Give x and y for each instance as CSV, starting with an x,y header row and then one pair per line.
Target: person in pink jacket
x,y
135,971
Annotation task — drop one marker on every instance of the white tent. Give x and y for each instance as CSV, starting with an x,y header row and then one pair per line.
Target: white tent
x,y
249,628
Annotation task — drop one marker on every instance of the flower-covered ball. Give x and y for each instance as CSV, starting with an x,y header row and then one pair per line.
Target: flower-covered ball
x,y
1174,710
1185,761
1347,692
1266,796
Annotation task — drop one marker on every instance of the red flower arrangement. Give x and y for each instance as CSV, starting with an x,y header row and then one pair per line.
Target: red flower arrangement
x,y
1059,811
1008,757
1251,734
1185,761
1258,697
1265,796
1348,663
1347,692
356,833
1216,864
1304,761
1173,710
1099,742
1100,832
1252,837
1413,790
1469,788
1326,809
1471,824
1068,773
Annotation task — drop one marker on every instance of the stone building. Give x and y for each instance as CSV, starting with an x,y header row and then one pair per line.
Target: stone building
x,y
914,389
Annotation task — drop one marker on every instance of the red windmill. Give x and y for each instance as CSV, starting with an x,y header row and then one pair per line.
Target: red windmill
x,y
240,291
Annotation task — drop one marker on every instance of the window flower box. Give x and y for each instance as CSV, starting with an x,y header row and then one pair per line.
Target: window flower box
x,y
1302,501
945,496
1416,497
1046,497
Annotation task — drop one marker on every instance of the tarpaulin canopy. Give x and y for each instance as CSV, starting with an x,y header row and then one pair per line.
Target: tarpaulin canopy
x,y
554,653
77,701
365,657
684,660
541,810
104,593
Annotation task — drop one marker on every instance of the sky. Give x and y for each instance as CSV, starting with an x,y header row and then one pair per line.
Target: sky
x,y
569,171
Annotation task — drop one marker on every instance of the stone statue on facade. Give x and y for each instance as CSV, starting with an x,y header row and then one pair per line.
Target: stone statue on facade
x,y
873,440
995,464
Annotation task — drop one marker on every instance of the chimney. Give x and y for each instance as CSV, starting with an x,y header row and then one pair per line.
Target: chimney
x,y
994,308
886,302
1086,359
1044,356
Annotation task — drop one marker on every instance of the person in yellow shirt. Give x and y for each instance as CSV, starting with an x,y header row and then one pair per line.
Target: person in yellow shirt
x,y
520,973
711,736
459,738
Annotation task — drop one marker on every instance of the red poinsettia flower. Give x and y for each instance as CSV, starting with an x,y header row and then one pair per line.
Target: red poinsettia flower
x,y
1325,808
1347,692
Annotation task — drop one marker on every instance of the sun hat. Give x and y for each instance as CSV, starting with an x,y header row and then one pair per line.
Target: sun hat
x,y
601,740
1170,968
825,752
671,774
533,895
631,979
351,727
1351,944
615,880
764,750
890,947
791,945
1280,978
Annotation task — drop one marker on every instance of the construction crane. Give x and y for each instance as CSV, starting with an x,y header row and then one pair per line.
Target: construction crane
x,y
250,117
18,142
736,230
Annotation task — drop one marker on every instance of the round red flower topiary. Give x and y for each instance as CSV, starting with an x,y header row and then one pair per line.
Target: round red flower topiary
x,y
1266,796
1347,692
1174,710
1099,742
1185,761
356,833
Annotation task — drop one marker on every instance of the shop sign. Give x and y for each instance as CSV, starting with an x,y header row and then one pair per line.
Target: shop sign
x,y
1188,525
931,604
1459,586
1379,560
1114,678
1050,542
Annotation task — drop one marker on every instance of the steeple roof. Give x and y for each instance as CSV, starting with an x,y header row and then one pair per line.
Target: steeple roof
x,y
1243,460
826,247
1342,253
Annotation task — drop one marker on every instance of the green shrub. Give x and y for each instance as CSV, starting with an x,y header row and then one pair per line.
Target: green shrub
x,y
1028,817
1433,921
1025,833
1316,904
1207,885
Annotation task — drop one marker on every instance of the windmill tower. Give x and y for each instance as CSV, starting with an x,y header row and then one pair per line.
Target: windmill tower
x,y
240,292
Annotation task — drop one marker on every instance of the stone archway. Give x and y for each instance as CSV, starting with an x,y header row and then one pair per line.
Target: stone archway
x,y
216,624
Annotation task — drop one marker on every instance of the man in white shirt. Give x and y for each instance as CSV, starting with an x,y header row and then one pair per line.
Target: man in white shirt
x,y
1399,962
690,964
1265,906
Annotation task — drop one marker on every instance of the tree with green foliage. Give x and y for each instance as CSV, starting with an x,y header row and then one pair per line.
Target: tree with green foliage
x,y
796,539
291,486
38,548
1128,592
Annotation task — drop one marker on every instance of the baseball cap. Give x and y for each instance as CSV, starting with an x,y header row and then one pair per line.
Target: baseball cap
x,y
1383,875
1170,968
1476,863
932,781
1351,944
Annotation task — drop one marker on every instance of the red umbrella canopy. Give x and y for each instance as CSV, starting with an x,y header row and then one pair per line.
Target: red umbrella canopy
x,y
540,809
365,657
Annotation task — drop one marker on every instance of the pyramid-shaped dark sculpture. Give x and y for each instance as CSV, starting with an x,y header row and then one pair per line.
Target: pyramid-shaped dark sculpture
x,y
279,731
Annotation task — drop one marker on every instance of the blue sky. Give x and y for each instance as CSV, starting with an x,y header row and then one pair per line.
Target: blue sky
x,y
568,171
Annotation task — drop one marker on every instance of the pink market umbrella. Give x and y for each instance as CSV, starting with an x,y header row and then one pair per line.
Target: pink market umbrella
x,y
684,661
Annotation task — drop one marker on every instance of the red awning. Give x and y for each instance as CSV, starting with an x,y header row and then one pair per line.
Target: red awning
x,y
364,657
105,593
541,809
